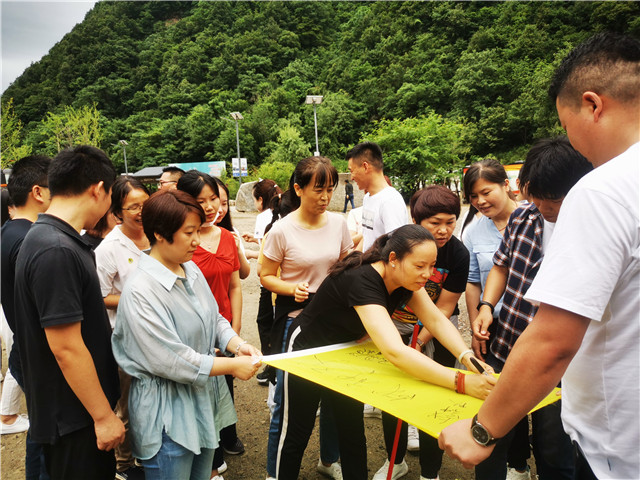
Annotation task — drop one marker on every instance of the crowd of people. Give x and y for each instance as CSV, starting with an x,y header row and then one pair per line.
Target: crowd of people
x,y
125,305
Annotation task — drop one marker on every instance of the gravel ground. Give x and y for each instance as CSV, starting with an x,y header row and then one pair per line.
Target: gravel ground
x,y
253,413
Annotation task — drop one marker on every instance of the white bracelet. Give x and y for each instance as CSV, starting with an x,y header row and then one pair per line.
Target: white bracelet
x,y
461,356
240,345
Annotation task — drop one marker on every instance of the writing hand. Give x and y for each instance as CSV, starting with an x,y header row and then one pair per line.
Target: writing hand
x,y
479,386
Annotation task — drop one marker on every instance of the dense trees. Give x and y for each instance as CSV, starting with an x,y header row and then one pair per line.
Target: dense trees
x,y
437,83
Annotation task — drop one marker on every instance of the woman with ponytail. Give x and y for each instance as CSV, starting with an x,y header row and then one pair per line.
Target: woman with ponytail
x,y
302,247
355,301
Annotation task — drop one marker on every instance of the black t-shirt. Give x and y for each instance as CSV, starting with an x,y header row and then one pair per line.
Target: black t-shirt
x,y
56,284
13,233
330,317
450,273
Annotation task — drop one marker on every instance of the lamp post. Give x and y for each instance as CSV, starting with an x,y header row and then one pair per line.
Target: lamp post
x,y
124,153
238,116
315,100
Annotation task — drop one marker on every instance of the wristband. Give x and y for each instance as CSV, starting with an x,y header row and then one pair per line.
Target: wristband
x,y
420,344
462,355
482,302
460,382
240,345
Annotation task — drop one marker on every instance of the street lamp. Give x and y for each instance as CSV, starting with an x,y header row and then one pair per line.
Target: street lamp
x,y
315,100
238,116
124,153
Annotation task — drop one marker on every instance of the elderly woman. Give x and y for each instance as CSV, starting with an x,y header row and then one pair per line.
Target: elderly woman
x,y
167,331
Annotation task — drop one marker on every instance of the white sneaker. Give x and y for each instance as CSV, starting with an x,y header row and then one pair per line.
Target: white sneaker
x,y
332,471
222,468
399,470
513,474
425,478
20,425
413,441
217,477
371,411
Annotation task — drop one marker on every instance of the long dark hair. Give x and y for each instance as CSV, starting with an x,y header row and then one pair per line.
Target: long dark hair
x,y
401,241
266,189
280,206
226,220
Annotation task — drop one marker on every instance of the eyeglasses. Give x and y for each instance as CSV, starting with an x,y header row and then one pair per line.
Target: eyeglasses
x,y
162,183
134,208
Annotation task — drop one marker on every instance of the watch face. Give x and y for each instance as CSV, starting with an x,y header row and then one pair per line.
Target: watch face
x,y
480,435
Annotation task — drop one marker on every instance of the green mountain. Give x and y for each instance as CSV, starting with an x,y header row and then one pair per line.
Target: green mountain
x,y
165,75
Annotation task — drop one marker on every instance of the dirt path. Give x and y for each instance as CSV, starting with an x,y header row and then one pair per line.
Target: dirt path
x,y
253,414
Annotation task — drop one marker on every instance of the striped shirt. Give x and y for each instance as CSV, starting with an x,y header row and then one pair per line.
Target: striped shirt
x,y
521,252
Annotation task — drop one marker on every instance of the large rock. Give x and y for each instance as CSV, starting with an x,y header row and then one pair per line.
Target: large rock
x,y
244,198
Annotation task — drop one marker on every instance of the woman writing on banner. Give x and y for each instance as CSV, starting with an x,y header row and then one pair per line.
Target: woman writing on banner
x,y
356,300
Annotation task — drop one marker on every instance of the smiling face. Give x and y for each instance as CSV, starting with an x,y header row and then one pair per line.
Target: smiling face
x,y
413,271
358,173
209,202
490,198
314,199
185,241
132,209
441,226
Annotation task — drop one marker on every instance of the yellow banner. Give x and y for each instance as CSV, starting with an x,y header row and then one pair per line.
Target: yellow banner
x,y
361,372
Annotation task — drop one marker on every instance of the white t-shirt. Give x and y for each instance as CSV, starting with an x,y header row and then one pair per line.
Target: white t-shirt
x,y
262,220
381,213
117,257
592,268
354,220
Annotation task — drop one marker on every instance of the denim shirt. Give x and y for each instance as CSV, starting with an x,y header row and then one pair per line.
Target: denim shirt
x,y
482,239
165,337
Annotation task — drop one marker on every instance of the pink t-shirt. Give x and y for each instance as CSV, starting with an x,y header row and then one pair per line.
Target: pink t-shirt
x,y
305,255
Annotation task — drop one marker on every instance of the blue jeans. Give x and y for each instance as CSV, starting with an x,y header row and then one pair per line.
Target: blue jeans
x,y
348,200
174,462
329,445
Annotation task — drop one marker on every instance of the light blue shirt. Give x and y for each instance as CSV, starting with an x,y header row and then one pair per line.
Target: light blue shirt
x,y
482,239
166,332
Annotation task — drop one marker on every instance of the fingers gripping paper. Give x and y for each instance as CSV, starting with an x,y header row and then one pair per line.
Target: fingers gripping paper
x,y
361,372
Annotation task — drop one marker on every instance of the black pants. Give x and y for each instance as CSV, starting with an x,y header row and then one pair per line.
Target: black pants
x,y
583,470
430,453
264,319
300,403
75,456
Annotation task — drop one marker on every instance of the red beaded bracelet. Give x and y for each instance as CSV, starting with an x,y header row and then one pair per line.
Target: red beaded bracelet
x,y
460,382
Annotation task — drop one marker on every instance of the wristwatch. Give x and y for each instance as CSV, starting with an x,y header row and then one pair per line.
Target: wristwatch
x,y
480,434
487,304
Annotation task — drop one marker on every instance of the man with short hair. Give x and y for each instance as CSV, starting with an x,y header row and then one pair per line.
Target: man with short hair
x,y
169,178
348,196
587,328
384,209
62,328
29,190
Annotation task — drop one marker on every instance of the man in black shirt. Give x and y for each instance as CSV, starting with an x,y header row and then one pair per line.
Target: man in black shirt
x,y
70,375
29,192
348,196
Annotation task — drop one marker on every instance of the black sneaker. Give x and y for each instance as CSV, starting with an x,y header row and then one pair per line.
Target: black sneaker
x,y
263,377
236,449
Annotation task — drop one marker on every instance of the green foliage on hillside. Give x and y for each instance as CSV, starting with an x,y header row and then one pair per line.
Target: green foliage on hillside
x,y
441,82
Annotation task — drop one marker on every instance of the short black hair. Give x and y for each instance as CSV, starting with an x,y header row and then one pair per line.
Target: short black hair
x,y
121,188
74,170
25,174
165,212
605,63
553,167
367,152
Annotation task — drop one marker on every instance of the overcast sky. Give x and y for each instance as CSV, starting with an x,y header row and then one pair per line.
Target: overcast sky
x,y
30,29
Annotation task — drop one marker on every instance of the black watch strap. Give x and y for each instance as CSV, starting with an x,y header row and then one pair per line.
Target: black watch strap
x,y
482,302
480,434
